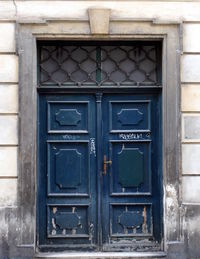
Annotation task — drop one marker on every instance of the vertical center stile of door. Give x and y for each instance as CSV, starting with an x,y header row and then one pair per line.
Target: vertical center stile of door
x,y
99,167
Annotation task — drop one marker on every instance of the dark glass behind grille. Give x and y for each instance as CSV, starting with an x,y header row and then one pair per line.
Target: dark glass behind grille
x,y
99,64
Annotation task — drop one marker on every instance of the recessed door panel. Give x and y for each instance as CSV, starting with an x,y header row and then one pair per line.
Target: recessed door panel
x,y
130,172
68,168
67,221
129,115
67,116
131,220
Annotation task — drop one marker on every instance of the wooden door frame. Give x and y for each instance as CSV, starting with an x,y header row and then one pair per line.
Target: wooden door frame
x,y
27,36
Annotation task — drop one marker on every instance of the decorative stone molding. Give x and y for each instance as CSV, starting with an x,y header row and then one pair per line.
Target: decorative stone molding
x,y
99,20
28,32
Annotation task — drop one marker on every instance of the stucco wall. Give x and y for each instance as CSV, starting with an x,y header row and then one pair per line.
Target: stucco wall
x,y
185,13
190,100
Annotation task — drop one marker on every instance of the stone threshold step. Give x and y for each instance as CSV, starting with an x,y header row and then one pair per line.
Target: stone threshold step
x,y
103,255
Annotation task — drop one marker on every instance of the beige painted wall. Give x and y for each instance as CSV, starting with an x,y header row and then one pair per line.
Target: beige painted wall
x,y
8,114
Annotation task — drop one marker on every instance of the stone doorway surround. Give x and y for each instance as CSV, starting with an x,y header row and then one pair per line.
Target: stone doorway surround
x,y
114,29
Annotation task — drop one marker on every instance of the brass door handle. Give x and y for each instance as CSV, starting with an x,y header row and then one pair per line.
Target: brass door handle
x,y
105,163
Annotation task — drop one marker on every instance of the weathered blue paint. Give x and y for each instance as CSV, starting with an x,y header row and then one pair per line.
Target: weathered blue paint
x,y
131,189
130,116
67,173
99,167
131,219
80,207
68,117
130,167
67,220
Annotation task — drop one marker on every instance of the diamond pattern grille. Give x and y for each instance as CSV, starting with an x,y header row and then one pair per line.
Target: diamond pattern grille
x,y
133,63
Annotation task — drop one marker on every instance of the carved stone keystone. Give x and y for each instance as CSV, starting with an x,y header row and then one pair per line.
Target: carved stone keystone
x,y
99,20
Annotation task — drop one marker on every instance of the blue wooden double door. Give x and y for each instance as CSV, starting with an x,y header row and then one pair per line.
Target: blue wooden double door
x,y
99,171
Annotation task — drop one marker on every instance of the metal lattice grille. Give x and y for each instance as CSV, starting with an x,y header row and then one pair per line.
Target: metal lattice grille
x,y
135,63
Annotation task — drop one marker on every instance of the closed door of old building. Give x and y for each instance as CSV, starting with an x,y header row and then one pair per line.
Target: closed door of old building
x,y
99,146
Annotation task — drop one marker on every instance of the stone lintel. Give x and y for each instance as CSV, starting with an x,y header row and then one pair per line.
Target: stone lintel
x,y
99,20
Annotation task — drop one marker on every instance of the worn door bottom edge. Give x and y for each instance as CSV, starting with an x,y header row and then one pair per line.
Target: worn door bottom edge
x,y
102,255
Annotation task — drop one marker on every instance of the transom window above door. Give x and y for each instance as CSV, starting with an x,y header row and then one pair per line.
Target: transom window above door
x,y
97,64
